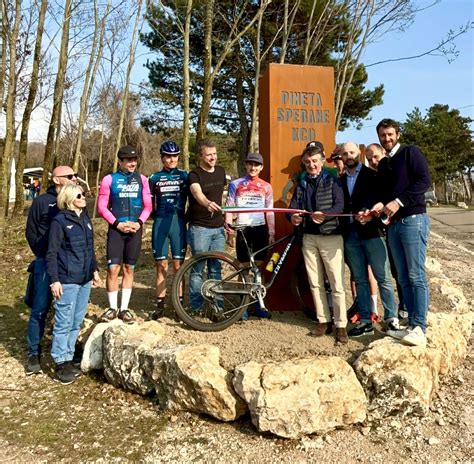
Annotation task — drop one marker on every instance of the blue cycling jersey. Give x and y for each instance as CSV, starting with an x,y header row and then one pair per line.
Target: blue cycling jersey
x,y
126,202
169,190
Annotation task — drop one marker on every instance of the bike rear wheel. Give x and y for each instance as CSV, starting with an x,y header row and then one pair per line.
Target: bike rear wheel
x,y
213,287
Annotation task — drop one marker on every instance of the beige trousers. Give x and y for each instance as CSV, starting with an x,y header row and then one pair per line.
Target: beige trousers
x,y
326,253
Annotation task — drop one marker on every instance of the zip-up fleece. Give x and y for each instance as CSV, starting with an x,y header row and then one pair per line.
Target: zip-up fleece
x,y
42,211
71,258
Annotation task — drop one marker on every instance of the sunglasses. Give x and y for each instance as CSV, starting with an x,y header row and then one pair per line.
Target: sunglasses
x,y
69,176
81,195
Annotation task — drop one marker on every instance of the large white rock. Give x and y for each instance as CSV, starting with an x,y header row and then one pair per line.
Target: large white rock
x,y
92,355
445,295
300,397
448,335
433,267
449,297
397,379
126,351
191,378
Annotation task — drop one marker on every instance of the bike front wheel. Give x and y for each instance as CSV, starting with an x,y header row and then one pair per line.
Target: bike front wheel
x,y
214,291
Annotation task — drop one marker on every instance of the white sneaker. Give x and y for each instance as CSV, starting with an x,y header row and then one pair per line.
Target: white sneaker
x,y
403,314
400,333
392,324
415,338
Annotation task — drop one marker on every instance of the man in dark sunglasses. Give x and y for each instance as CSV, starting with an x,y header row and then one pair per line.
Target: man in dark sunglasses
x,y
42,211
69,176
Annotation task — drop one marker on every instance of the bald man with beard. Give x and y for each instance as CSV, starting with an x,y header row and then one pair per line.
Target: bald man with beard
x,y
364,242
373,154
42,211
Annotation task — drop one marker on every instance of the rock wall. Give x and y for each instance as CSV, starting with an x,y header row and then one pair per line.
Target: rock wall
x,y
289,398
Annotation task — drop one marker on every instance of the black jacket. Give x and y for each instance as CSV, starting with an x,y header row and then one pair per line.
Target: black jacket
x,y
42,211
365,194
405,176
71,258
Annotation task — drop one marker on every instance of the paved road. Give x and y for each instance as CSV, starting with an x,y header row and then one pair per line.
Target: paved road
x,y
455,224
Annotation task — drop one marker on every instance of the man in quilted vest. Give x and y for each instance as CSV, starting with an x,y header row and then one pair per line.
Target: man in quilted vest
x,y
319,192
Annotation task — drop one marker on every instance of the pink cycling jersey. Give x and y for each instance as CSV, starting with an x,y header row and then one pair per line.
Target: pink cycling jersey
x,y
248,192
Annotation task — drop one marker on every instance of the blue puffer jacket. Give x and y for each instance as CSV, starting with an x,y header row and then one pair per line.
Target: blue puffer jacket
x,y
71,258
42,211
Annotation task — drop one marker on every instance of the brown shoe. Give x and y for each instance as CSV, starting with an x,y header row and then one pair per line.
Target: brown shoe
x,y
321,329
341,335
109,315
126,316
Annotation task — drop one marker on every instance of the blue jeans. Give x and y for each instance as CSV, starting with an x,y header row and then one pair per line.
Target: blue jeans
x,y
39,311
359,254
70,311
203,239
407,239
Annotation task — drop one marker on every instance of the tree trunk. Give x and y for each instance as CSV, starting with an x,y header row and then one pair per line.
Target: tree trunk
x,y
3,47
131,61
284,39
210,71
244,127
99,168
186,87
9,142
466,188
92,66
288,20
25,123
207,65
258,61
55,123
345,73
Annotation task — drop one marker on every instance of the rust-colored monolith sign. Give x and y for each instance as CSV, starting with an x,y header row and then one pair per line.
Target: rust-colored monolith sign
x,y
296,106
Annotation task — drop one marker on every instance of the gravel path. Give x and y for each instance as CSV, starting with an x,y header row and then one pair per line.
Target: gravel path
x,y
93,421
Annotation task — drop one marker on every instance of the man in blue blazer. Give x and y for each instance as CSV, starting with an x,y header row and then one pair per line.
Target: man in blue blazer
x,y
364,242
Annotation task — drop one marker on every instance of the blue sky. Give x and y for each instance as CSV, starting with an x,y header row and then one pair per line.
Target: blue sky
x,y
425,81
408,84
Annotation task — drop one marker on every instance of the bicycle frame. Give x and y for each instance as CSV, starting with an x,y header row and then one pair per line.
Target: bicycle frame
x,y
227,294
253,266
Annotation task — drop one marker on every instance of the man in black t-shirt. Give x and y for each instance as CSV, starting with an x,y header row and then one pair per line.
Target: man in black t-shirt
x,y
206,222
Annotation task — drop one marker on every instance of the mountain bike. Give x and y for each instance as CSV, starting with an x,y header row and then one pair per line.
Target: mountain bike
x,y
211,290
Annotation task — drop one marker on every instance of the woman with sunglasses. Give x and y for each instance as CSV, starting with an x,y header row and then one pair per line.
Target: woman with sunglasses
x,y
72,268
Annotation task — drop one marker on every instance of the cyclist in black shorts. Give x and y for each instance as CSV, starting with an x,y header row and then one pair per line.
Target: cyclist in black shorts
x,y
251,191
169,190
125,203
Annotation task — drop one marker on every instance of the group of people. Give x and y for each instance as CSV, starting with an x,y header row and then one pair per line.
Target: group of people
x,y
342,225
31,190
60,234
345,226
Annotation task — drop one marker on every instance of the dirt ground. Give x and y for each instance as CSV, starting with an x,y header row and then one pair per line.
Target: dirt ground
x,y
41,420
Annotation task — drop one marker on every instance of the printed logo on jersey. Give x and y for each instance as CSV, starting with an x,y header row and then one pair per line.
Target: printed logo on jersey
x,y
170,188
128,190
